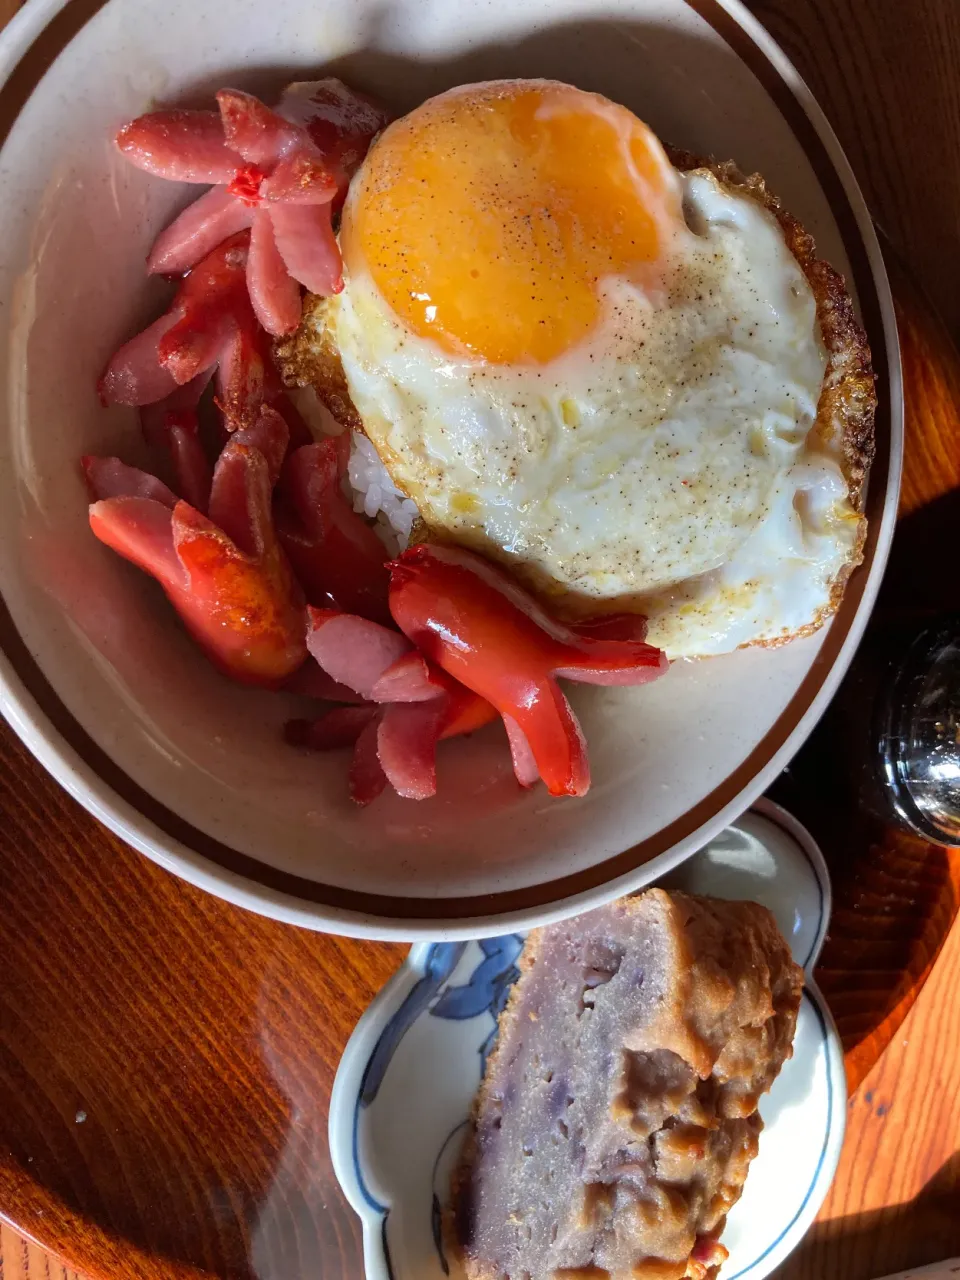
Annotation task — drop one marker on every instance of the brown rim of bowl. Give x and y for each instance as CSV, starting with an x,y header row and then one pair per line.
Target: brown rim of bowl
x,y
384,909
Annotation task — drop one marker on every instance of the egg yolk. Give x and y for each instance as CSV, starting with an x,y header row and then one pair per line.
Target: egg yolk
x,y
489,217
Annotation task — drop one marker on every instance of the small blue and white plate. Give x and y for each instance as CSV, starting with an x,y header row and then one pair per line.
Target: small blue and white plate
x,y
402,1096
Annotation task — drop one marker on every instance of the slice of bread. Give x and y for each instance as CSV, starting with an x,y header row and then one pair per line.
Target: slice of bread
x,y
618,1111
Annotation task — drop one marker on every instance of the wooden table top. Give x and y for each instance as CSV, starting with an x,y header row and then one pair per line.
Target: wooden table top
x,y
87,1021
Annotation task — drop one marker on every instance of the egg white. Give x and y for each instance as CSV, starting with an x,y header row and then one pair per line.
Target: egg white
x,y
666,465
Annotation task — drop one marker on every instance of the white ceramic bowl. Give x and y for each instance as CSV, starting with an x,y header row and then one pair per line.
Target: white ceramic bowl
x,y
98,679
402,1096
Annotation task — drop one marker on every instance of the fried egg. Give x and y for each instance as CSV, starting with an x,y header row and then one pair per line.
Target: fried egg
x,y
594,368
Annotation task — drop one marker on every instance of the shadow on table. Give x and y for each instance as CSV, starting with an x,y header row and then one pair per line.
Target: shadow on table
x,y
895,894
885,1241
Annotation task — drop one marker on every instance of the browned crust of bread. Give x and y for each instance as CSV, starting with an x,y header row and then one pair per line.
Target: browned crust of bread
x,y
757,942
845,414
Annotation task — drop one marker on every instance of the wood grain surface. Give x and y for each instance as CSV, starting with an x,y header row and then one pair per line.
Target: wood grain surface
x,y
895,901
166,1060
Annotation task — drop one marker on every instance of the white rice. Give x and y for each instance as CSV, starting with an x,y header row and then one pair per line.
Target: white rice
x,y
375,495
368,484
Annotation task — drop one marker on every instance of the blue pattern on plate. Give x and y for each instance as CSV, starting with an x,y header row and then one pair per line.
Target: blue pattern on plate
x,y
817,942
485,992
436,1208
442,959
489,984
